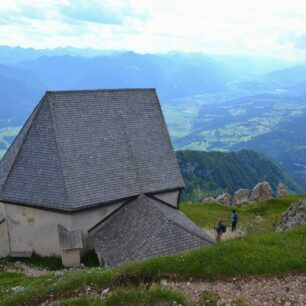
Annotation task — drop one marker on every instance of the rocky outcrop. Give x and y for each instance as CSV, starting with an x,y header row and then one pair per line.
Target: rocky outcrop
x,y
294,216
261,192
224,199
281,191
208,200
241,196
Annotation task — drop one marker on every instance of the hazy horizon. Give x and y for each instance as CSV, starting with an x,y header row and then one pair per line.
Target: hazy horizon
x,y
244,28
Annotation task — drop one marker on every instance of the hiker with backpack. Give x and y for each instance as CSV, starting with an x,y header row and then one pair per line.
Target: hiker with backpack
x,y
234,219
220,229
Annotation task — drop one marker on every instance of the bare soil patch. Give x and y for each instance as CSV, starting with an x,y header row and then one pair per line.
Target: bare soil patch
x,y
285,290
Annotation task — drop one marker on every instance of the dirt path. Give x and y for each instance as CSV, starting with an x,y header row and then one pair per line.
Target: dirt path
x,y
286,290
27,270
227,235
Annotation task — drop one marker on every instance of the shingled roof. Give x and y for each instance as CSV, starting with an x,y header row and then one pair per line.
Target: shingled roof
x,y
80,149
143,228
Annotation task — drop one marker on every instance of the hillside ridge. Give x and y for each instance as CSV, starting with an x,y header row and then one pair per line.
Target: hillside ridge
x,y
212,173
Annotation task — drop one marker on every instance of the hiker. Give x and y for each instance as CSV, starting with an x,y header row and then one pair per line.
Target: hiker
x,y
234,219
220,229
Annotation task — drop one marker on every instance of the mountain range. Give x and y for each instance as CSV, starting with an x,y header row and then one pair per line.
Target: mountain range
x,y
223,103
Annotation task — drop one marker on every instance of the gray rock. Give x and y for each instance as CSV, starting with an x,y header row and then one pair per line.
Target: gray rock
x,y
241,196
224,199
261,192
281,191
294,216
59,273
18,289
208,200
105,291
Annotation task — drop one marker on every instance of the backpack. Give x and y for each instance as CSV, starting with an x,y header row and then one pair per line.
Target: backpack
x,y
224,228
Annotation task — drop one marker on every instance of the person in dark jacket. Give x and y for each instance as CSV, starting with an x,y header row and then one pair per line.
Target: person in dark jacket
x,y
220,229
234,219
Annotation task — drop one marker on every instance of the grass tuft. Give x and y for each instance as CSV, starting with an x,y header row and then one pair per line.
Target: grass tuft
x,y
51,263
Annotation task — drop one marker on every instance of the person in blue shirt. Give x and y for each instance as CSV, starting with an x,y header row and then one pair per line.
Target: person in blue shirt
x,y
234,219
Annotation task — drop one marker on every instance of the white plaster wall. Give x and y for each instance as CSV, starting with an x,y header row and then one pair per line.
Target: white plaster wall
x,y
4,241
85,220
32,229
170,197
35,230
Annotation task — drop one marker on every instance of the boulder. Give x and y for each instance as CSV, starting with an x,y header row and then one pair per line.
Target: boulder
x,y
208,200
224,199
261,192
294,216
281,191
241,196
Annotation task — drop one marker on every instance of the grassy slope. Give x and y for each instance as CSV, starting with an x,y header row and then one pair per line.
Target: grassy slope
x,y
266,253
207,215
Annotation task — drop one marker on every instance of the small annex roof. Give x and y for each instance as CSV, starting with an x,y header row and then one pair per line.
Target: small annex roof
x,y
143,228
81,149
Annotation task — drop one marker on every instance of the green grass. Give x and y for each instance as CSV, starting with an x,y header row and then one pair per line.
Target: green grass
x,y
52,263
132,296
266,254
260,252
207,215
90,259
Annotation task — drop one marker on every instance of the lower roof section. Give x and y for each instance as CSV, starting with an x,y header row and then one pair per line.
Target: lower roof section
x,y
143,228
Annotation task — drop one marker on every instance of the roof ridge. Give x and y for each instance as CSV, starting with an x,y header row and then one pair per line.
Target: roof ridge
x,y
167,136
171,219
59,151
186,229
34,114
102,90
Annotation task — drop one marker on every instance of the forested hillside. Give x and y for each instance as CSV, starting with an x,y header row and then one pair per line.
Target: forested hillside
x,y
211,173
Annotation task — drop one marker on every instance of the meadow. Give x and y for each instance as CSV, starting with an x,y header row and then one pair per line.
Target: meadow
x,y
260,252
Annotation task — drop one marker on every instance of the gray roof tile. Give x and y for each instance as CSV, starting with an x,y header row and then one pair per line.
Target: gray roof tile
x,y
144,228
83,148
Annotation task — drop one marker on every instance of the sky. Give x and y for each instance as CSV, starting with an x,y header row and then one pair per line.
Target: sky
x,y
257,27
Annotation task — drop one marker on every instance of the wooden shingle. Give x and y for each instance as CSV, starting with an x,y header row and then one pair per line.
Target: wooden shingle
x,y
69,240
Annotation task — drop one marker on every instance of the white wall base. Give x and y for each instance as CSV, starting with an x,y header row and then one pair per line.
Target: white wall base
x,y
71,258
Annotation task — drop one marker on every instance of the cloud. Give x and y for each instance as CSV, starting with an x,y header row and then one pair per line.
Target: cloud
x,y
103,12
237,26
92,11
300,42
